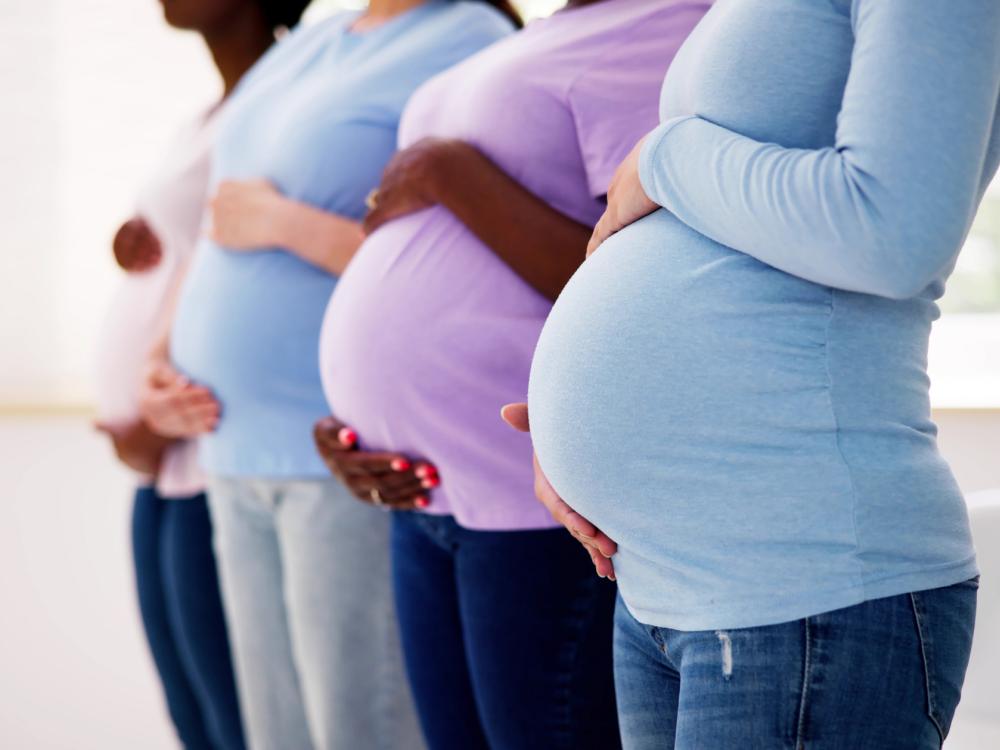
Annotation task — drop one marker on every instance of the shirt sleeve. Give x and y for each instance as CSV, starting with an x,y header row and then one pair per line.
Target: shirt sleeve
x,y
615,101
884,210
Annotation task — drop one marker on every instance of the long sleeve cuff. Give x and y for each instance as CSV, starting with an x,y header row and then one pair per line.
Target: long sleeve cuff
x,y
651,162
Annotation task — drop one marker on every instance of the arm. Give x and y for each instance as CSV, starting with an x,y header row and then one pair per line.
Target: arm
x,y
885,210
136,445
253,215
542,246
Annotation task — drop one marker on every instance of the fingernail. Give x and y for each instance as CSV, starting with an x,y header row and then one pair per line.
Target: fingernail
x,y
424,471
399,464
347,436
430,483
421,501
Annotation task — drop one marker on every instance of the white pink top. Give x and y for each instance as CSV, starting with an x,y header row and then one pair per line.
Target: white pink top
x,y
173,204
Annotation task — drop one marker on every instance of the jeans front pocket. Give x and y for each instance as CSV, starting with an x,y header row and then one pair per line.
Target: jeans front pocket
x,y
945,620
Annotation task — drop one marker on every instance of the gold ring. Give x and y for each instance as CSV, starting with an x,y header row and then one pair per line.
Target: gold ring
x,y
371,200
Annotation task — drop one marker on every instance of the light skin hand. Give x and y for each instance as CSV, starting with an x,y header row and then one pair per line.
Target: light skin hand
x,y
174,407
383,478
244,214
252,215
627,201
599,545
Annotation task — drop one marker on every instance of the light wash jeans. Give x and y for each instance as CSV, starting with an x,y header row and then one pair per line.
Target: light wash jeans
x,y
304,569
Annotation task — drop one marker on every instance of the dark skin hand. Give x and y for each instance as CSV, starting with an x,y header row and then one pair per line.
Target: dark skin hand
x,y
136,246
541,245
382,478
136,446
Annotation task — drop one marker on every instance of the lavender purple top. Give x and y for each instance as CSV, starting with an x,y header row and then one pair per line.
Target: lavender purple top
x,y
429,333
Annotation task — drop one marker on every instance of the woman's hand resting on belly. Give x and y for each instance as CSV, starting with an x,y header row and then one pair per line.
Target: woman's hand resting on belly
x,y
413,178
136,246
253,215
627,201
598,544
383,478
173,406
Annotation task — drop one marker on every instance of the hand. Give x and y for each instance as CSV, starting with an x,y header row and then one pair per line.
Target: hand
x,y
245,214
136,246
410,180
599,545
136,445
174,407
386,479
627,201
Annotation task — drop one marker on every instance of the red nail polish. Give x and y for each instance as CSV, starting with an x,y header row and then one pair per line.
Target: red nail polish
x,y
430,483
399,464
425,471
421,501
347,436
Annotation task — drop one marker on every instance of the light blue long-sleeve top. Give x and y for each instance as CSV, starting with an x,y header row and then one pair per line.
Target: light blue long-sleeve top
x,y
317,116
735,388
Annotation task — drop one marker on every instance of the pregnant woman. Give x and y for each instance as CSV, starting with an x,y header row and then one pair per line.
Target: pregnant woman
x,y
477,225
794,555
304,569
171,533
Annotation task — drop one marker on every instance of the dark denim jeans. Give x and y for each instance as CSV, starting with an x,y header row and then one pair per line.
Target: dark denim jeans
x,y
882,675
506,637
182,615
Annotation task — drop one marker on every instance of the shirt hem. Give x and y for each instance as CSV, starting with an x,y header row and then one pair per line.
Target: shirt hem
x,y
721,617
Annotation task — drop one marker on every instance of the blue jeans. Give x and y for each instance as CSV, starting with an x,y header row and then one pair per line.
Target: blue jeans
x,y
506,637
305,579
182,615
882,675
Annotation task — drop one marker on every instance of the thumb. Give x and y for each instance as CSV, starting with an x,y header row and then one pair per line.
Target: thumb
x,y
516,415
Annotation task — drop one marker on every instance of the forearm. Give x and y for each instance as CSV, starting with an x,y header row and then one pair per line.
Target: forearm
x,y
138,447
883,210
541,245
319,237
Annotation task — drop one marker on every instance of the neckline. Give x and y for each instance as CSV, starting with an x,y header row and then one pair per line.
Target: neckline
x,y
387,24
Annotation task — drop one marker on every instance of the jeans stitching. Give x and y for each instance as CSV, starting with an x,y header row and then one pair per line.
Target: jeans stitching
x,y
918,617
800,729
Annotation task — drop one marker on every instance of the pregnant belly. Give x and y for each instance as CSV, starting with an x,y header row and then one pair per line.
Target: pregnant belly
x,y
247,326
427,335
672,368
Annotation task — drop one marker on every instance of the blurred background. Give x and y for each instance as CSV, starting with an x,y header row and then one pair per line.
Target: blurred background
x,y
90,91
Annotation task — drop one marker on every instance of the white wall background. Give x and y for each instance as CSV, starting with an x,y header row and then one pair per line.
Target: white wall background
x,y
89,92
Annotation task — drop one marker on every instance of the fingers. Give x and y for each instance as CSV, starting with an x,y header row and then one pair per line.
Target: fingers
x,y
598,544
333,436
373,220
604,567
381,478
606,226
516,415
181,410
